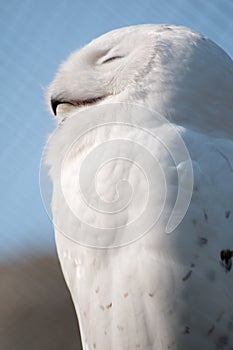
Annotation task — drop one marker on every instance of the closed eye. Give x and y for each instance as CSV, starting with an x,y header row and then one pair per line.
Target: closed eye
x,y
111,59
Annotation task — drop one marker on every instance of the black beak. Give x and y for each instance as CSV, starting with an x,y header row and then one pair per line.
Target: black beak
x,y
54,104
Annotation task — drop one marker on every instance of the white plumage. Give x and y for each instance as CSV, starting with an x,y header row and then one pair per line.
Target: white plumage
x,y
115,160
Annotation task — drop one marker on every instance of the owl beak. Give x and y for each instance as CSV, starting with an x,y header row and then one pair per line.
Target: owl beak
x,y
54,103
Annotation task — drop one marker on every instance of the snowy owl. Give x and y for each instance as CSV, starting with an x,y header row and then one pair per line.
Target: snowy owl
x,y
141,164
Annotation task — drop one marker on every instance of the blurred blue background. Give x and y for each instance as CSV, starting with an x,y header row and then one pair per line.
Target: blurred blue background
x,y
35,37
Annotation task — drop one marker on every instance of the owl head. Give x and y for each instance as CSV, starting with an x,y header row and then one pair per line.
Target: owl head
x,y
170,69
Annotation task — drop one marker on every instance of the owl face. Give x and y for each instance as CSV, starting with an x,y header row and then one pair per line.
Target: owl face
x,y
163,68
108,68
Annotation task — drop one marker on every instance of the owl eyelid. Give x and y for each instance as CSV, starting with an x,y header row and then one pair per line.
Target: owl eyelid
x,y
75,103
112,59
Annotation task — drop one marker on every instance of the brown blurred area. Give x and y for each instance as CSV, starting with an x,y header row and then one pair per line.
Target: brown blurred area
x,y
36,311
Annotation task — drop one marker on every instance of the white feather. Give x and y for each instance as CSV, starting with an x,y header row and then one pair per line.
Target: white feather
x,y
161,291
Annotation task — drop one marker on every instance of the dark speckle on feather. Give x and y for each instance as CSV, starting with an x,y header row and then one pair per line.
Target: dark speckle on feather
x,y
205,215
186,330
187,276
210,331
227,214
120,327
226,256
202,241
194,222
